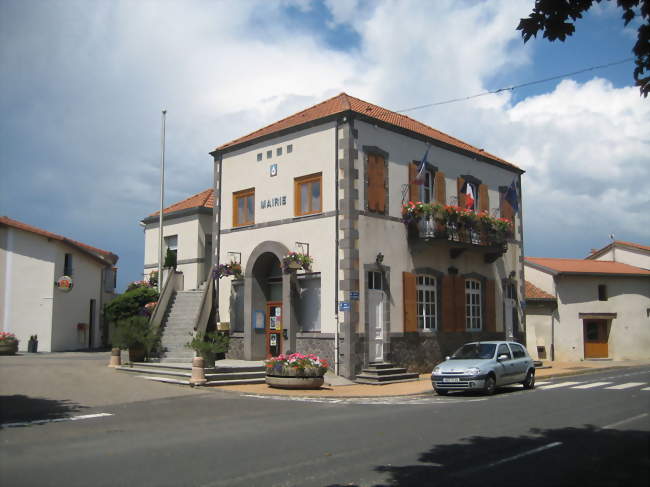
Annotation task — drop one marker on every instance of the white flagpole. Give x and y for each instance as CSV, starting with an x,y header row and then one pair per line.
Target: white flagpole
x,y
162,199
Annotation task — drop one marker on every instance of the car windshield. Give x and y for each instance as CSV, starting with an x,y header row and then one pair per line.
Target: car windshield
x,y
474,350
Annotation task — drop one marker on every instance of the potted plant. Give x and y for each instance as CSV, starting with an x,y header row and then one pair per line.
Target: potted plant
x,y
8,343
211,346
296,371
227,270
170,259
295,261
134,334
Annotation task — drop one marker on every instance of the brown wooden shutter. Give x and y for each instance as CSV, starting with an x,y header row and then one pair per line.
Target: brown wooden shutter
x,y
483,198
461,196
410,302
440,188
414,189
376,189
505,207
459,303
490,306
448,318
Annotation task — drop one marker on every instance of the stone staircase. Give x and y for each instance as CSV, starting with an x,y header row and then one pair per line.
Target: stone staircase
x,y
236,372
178,327
379,373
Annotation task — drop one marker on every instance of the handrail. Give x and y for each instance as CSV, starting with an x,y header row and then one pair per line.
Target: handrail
x,y
201,323
168,290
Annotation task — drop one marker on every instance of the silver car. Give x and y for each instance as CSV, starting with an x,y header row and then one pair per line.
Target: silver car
x,y
484,366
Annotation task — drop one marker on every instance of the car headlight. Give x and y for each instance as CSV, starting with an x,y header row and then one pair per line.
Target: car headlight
x,y
473,371
436,371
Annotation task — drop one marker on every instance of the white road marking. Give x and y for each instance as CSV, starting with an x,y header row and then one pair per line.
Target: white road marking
x,y
628,420
646,389
509,459
627,385
593,384
541,383
57,420
560,384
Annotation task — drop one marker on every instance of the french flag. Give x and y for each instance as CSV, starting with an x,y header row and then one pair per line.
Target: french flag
x,y
419,177
470,197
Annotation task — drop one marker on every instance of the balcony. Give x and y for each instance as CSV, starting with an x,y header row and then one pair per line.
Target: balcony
x,y
461,229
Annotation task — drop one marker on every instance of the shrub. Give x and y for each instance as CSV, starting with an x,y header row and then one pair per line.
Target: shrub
x,y
209,343
133,332
131,303
170,259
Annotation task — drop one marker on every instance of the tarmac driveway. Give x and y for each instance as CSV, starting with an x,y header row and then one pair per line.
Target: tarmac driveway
x,y
55,385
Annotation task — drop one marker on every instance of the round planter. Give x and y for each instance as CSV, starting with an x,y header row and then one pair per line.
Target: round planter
x,y
136,353
9,348
294,382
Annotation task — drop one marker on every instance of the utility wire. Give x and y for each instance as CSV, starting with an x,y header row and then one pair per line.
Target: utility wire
x,y
514,87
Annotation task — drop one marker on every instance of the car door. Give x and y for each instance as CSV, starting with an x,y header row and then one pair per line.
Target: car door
x,y
504,368
519,362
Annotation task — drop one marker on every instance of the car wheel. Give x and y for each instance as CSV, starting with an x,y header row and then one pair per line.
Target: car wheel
x,y
529,382
489,386
442,392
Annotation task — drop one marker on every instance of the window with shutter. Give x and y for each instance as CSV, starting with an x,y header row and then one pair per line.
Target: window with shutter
x,y
473,305
307,194
376,183
459,192
441,190
427,302
483,198
243,207
414,189
505,207
448,315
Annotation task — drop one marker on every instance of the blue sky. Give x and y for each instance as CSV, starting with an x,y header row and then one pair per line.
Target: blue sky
x,y
82,85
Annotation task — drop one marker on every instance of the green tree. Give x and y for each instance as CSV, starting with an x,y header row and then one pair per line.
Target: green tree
x,y
552,18
130,303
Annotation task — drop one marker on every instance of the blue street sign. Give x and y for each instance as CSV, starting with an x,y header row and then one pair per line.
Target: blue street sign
x,y
354,295
344,306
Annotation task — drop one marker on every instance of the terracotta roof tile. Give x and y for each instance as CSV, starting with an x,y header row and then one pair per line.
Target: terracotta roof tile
x,y
597,253
102,254
533,292
203,199
344,102
584,266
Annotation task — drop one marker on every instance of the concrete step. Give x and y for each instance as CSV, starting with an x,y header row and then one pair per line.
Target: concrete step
x,y
386,371
370,381
235,382
219,377
386,379
380,365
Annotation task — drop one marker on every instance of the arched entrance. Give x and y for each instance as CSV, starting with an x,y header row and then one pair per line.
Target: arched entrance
x,y
269,327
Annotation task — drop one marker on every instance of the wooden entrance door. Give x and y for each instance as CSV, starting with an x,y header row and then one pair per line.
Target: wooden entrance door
x,y
273,329
596,336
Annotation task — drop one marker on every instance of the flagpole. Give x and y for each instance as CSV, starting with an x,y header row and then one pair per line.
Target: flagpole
x,y
162,199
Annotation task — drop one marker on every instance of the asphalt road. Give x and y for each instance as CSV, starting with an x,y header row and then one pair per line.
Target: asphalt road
x,y
590,429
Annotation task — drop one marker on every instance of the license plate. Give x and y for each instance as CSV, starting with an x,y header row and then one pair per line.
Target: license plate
x,y
451,379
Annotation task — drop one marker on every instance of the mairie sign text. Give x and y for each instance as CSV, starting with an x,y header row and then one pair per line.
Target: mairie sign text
x,y
271,202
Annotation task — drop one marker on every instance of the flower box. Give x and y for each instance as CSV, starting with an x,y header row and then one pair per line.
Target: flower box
x,y
296,371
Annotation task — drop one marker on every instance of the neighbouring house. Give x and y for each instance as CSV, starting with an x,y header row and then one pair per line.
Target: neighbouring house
x,y
53,287
389,281
187,231
593,308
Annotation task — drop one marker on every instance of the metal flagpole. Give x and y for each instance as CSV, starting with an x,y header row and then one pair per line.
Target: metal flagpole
x,y
162,199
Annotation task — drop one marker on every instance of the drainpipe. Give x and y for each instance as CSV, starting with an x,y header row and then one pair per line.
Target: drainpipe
x,y
557,307
336,248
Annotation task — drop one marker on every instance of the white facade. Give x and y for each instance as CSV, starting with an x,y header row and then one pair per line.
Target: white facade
x,y
560,326
30,303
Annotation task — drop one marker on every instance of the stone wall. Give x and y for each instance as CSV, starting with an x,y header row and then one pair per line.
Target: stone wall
x,y
321,346
420,352
236,348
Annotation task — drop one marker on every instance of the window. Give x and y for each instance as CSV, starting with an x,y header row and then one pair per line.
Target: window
x,y
517,351
171,244
427,302
269,154
473,304
67,265
243,205
375,280
278,151
428,186
289,148
259,157
376,190
602,292
307,195
503,350
308,305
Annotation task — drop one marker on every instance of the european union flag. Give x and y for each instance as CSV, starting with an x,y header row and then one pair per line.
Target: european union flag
x,y
512,197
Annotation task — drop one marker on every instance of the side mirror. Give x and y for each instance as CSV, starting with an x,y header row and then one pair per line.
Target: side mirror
x,y
502,357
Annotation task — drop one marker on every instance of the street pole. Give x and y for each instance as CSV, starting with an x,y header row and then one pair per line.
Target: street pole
x,y
162,199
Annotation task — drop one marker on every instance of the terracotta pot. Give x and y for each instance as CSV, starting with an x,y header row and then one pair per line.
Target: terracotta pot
x,y
136,353
294,382
9,348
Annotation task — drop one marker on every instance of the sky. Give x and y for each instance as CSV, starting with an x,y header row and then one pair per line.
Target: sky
x,y
82,86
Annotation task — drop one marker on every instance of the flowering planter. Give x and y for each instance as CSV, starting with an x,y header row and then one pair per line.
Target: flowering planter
x,y
287,382
9,348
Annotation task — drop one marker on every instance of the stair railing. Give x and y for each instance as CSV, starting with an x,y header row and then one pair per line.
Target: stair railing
x,y
202,318
173,283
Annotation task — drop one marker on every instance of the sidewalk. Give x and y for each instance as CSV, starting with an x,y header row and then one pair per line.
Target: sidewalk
x,y
421,386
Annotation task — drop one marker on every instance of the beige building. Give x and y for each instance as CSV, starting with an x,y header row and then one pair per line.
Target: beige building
x,y
596,308
187,231
331,181
53,287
